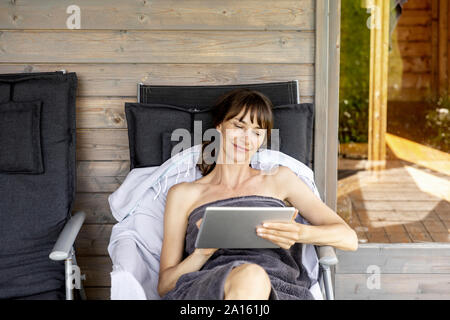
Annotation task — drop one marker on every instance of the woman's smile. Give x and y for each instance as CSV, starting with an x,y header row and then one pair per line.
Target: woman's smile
x,y
240,148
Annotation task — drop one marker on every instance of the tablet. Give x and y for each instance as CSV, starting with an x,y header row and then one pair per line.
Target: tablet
x,y
235,227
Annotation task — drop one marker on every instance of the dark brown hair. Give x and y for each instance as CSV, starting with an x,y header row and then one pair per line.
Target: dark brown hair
x,y
230,105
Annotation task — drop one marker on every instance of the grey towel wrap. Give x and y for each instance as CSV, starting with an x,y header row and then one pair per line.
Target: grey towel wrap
x,y
288,278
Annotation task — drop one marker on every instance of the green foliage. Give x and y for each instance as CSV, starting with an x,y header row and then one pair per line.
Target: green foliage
x,y
437,122
354,73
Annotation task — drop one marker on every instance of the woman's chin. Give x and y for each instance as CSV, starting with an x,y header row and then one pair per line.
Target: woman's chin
x,y
237,159
242,158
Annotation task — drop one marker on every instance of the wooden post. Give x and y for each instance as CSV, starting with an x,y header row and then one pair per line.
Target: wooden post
x,y
446,44
435,47
327,99
440,59
327,57
443,46
378,86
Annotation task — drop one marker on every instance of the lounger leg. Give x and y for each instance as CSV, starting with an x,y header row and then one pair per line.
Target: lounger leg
x,y
69,279
82,277
328,282
73,277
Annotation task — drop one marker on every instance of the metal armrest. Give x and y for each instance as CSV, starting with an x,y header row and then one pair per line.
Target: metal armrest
x,y
327,256
66,239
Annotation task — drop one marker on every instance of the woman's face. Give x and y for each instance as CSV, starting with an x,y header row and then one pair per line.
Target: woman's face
x,y
240,139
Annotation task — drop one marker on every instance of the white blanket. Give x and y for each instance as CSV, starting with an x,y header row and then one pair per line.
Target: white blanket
x,y
139,203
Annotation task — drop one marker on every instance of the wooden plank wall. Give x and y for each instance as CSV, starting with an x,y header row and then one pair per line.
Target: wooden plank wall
x,y
380,271
419,60
121,43
410,64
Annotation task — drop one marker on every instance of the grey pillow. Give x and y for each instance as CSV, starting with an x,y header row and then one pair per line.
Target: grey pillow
x,y
150,127
296,129
168,144
20,137
146,125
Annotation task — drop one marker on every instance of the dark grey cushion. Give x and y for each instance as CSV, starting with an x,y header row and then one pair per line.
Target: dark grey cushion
x,y
146,125
296,141
168,145
205,117
296,130
20,137
35,207
295,123
201,97
150,127
48,295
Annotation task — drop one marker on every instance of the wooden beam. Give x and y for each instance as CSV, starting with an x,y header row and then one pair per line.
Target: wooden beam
x,y
379,50
159,46
446,44
113,79
440,59
327,55
430,258
434,46
393,287
161,15
326,99
321,98
443,46
394,271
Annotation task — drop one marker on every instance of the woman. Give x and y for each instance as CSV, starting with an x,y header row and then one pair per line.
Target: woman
x,y
244,119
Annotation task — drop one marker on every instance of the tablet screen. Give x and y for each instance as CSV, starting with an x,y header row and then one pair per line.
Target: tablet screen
x,y
235,227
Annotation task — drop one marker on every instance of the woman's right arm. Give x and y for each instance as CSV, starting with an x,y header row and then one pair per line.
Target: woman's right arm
x,y
175,224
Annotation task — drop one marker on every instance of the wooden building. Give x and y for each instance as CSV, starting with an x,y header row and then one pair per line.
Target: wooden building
x,y
419,60
113,45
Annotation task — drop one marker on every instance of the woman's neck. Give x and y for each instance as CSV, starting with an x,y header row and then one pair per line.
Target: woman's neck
x,y
230,176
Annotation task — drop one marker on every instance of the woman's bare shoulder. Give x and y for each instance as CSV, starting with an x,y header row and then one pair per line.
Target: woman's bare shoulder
x,y
281,177
183,195
186,188
277,174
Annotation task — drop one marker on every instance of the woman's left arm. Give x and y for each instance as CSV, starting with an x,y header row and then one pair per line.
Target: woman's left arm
x,y
327,227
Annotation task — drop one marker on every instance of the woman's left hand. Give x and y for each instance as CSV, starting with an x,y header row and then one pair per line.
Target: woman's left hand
x,y
282,233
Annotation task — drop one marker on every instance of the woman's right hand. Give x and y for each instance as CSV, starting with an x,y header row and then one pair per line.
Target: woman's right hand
x,y
202,251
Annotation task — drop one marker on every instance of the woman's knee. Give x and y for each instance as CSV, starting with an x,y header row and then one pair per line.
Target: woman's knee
x,y
248,278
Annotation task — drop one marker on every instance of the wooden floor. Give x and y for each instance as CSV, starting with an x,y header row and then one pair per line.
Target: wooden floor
x,y
394,271
407,203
